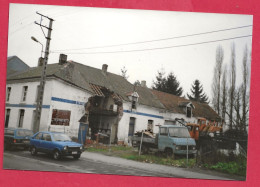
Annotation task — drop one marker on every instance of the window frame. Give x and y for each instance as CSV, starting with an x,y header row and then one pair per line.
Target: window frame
x,y
24,93
21,118
8,93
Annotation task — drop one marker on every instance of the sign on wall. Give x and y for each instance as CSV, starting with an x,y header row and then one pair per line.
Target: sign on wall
x,y
60,117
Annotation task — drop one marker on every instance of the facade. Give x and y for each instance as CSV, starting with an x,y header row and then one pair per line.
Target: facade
x,y
107,103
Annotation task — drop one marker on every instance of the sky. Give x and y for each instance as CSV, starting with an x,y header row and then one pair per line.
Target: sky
x,y
142,41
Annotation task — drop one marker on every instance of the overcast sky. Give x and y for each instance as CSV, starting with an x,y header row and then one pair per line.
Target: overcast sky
x,y
77,29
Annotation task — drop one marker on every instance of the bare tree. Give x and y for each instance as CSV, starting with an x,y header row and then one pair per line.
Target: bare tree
x,y
245,88
224,91
217,78
124,73
232,85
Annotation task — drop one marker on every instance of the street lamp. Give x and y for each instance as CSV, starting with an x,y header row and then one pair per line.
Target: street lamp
x,y
34,39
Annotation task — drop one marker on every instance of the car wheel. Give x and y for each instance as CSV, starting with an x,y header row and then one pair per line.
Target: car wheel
x,y
56,155
33,151
76,156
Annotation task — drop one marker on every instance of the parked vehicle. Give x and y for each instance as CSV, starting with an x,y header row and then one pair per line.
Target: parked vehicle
x,y
170,140
57,144
17,137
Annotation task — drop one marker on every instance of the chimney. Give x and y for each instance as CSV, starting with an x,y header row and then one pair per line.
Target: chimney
x,y
40,61
143,83
104,68
63,59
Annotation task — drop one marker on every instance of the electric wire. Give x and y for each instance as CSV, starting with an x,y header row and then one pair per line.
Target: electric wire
x,y
148,41
158,48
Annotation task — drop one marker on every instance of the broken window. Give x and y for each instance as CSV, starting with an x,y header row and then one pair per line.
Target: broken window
x,y
60,117
150,125
8,93
189,112
133,104
25,89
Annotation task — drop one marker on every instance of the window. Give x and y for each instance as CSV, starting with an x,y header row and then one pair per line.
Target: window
x,y
150,125
133,104
38,136
189,112
163,131
8,93
60,117
25,89
37,92
7,116
21,116
46,137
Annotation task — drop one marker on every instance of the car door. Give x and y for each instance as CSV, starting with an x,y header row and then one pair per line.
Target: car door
x,y
46,143
36,141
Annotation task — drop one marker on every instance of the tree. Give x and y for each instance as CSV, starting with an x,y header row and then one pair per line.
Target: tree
x,y
123,73
168,84
160,82
197,93
245,89
137,83
217,79
224,90
232,87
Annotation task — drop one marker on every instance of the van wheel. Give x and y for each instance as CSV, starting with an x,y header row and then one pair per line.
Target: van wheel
x,y
33,151
56,155
168,153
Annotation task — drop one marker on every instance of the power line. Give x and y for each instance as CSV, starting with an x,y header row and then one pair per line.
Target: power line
x,y
147,41
150,49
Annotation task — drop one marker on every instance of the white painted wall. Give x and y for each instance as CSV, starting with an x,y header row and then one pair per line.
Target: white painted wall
x,y
53,88
16,98
66,91
141,121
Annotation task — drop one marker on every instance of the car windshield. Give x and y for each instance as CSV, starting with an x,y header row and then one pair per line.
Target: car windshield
x,y
179,132
61,137
9,132
24,133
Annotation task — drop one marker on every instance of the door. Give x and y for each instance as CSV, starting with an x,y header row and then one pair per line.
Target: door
x,y
131,126
83,128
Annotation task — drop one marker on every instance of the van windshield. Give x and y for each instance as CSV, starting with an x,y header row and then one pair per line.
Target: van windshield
x,y
179,132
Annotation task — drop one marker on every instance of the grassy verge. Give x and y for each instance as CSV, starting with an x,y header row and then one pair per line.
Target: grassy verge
x,y
132,154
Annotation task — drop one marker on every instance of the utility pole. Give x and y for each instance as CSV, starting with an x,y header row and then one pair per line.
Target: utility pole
x,y
40,93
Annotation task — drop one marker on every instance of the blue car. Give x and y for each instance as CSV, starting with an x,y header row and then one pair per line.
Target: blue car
x,y
17,137
56,144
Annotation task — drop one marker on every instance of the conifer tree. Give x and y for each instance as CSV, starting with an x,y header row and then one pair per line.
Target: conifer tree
x,y
197,93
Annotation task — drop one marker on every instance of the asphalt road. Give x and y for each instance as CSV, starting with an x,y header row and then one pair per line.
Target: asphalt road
x,y
23,160
102,164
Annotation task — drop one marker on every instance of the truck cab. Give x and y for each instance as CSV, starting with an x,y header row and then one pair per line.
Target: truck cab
x,y
175,140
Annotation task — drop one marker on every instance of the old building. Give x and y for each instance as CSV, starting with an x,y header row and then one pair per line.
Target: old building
x,y
76,94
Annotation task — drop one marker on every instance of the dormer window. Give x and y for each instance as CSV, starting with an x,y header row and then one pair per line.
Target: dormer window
x,y
189,112
187,107
133,97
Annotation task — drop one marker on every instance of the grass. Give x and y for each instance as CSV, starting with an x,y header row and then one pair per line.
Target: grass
x,y
227,164
132,154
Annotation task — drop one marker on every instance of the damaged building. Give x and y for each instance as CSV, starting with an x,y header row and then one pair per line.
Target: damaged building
x,y
80,100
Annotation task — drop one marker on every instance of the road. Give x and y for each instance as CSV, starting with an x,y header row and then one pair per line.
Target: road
x,y
22,160
98,163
